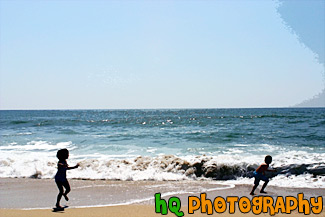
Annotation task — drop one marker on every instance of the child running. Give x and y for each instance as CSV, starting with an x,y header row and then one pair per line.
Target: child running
x,y
61,175
259,174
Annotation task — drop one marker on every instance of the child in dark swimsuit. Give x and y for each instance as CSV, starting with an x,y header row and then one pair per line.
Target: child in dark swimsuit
x,y
259,175
61,175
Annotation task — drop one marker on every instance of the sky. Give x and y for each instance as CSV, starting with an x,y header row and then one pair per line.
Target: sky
x,y
159,54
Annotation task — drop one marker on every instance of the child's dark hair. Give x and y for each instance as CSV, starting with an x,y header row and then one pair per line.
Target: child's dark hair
x,y
62,154
268,159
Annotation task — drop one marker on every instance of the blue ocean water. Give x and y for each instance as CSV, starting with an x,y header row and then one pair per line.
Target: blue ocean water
x,y
221,144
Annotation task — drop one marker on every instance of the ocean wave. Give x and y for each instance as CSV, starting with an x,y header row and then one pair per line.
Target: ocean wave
x,y
38,145
19,122
168,167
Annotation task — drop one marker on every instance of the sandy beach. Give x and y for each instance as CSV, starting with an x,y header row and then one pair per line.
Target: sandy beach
x,y
121,211
36,197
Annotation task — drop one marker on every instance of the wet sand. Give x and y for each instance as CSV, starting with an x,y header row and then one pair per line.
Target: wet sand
x,y
120,198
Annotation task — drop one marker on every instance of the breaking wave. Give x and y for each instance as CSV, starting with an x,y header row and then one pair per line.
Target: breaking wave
x,y
231,168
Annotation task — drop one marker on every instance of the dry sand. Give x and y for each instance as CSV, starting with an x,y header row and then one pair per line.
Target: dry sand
x,y
118,211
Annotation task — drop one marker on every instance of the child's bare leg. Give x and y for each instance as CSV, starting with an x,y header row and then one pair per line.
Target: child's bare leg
x,y
254,188
67,190
60,187
263,187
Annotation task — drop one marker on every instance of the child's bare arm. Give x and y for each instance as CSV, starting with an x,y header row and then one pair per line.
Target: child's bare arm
x,y
70,168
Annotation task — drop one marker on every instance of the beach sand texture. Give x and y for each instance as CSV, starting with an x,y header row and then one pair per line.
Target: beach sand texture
x,y
119,211
92,198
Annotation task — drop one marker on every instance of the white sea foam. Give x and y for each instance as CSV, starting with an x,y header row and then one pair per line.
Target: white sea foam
x,y
38,145
299,181
241,145
37,159
26,133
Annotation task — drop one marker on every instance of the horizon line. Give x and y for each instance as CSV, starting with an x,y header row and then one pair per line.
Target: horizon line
x,y
83,109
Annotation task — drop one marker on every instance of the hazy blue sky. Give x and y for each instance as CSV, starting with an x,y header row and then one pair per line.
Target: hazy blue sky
x,y
155,54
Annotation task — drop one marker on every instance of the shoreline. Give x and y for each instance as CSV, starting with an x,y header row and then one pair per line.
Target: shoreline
x,y
91,198
28,193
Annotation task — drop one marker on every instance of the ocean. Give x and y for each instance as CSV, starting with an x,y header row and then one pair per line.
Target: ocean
x,y
221,145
